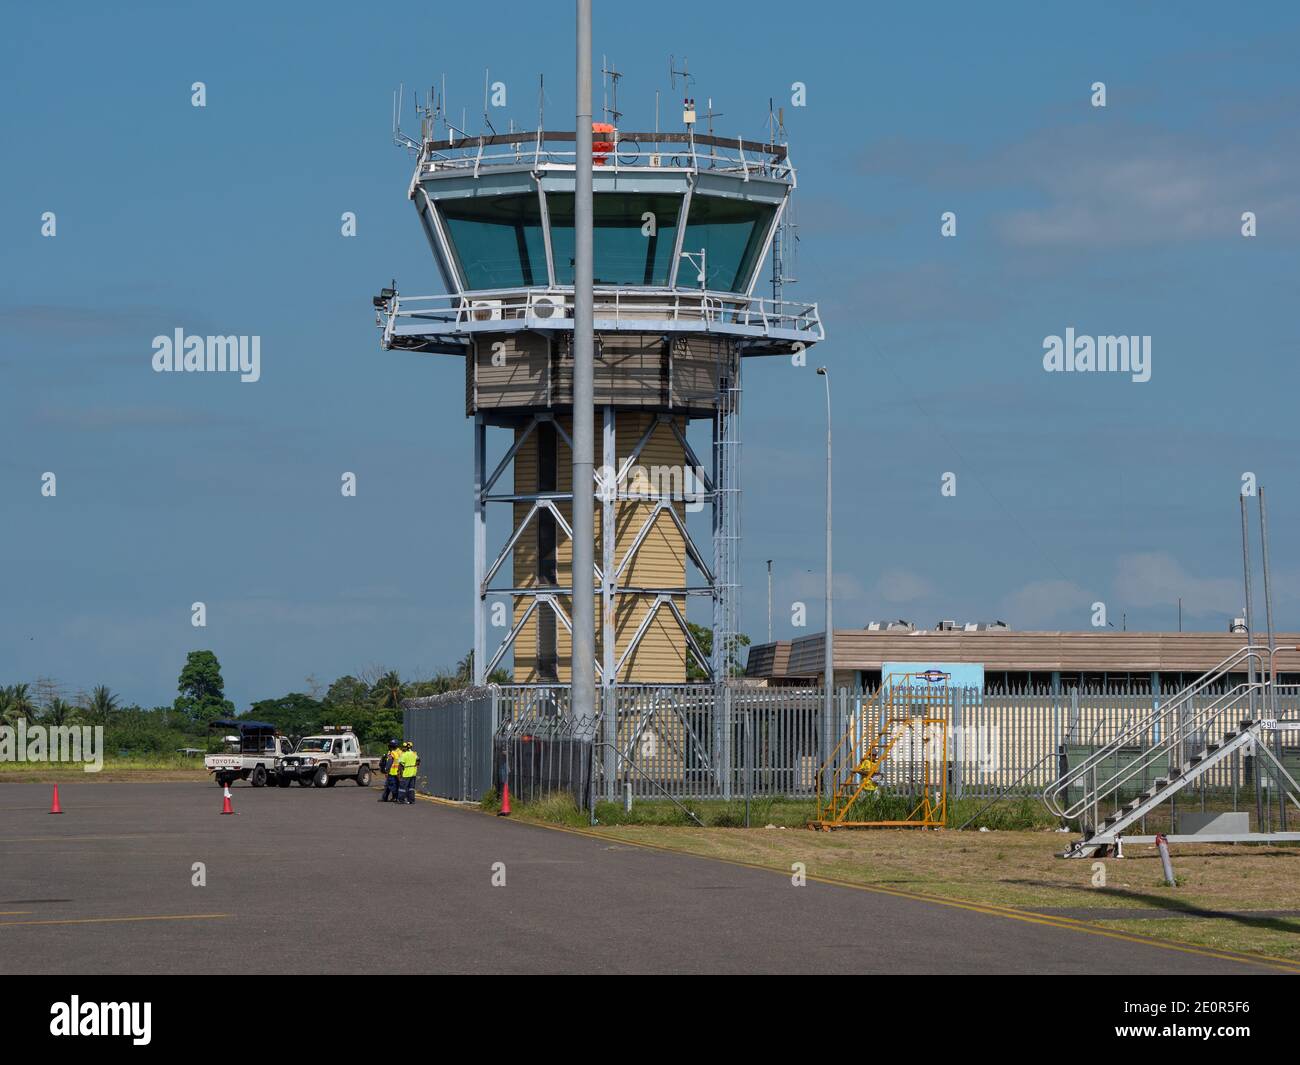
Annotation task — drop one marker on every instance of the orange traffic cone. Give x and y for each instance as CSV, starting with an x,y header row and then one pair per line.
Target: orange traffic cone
x,y
505,800
55,808
225,801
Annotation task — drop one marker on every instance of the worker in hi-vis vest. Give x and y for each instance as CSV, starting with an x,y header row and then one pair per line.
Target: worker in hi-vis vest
x,y
409,762
392,766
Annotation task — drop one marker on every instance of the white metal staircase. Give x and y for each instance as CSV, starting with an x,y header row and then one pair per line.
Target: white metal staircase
x,y
1179,741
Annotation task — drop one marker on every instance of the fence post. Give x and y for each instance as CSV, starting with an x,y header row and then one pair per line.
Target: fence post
x,y
725,755
955,723
464,749
748,743
609,734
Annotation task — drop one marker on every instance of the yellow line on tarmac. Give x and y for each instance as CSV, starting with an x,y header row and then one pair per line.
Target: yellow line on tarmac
x,y
991,909
14,913
75,839
119,920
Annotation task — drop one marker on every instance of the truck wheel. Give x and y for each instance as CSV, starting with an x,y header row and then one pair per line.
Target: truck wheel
x,y
306,782
283,779
331,782
218,780
320,778
363,777
258,777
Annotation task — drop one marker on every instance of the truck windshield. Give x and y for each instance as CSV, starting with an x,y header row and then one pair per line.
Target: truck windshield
x,y
313,743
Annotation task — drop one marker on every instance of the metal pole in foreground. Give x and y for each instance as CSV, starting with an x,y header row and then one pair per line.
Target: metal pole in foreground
x,y
1268,593
828,710
769,600
1250,612
582,666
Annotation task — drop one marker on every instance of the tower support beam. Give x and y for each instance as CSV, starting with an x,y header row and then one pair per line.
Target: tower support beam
x,y
480,552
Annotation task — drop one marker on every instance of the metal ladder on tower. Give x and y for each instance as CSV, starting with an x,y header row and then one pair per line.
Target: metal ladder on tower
x,y
1179,742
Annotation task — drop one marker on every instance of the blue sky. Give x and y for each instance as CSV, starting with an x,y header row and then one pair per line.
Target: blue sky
x,y
1070,488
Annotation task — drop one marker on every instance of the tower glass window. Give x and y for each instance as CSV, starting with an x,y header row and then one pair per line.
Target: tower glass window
x,y
497,240
731,233
624,252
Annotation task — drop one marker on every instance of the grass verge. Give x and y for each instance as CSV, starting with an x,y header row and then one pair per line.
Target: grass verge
x,y
155,767
1016,867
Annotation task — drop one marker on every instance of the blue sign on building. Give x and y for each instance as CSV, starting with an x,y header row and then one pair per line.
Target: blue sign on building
x,y
960,674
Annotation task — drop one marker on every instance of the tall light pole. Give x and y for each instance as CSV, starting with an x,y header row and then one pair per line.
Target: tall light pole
x,y
828,710
582,665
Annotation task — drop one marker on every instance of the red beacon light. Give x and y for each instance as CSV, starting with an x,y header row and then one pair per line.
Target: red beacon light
x,y
600,149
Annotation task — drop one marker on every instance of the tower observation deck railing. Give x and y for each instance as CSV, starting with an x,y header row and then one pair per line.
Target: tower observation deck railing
x,y
693,310
684,151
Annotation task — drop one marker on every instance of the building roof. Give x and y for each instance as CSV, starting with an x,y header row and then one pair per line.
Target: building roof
x,y
1092,652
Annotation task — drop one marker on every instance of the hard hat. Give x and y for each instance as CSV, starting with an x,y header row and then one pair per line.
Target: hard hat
x,y
408,745
392,744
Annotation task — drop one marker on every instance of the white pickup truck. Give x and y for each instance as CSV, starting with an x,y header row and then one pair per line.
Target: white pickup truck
x,y
322,761
256,755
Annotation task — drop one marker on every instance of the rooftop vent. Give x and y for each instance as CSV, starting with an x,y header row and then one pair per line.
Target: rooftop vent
x,y
1237,625
946,626
891,626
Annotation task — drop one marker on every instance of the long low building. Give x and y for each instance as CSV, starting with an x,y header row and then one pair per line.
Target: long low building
x,y
1003,658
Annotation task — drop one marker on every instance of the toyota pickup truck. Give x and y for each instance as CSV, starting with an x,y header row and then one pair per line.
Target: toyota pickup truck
x,y
322,761
255,753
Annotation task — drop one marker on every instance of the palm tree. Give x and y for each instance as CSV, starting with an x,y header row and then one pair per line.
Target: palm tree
x,y
59,712
21,701
102,706
388,690
7,714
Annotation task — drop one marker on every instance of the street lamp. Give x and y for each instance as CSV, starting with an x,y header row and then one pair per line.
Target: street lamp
x,y
828,710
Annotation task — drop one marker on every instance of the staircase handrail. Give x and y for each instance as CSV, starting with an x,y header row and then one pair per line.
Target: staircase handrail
x,y
1171,739
1158,713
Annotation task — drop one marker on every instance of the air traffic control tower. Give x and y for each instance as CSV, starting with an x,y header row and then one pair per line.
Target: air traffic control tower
x,y
684,227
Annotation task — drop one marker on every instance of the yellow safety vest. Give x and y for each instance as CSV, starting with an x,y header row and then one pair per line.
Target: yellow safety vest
x,y
408,760
395,765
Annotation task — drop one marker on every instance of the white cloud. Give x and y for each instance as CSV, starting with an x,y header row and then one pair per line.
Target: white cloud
x,y
903,586
1156,578
1048,603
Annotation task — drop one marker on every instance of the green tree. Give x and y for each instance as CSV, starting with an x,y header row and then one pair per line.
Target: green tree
x,y
388,691
345,694
59,712
20,701
294,714
704,638
202,691
102,706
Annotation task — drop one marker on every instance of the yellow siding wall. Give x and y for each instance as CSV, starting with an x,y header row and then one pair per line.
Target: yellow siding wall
x,y
660,561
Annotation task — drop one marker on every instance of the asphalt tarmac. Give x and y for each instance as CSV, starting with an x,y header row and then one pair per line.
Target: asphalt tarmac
x,y
316,880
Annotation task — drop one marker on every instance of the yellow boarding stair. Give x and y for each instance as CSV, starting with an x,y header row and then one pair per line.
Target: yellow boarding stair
x,y
908,719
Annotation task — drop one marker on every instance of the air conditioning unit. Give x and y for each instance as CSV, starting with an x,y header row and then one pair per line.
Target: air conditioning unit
x,y
946,626
485,310
899,625
548,307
